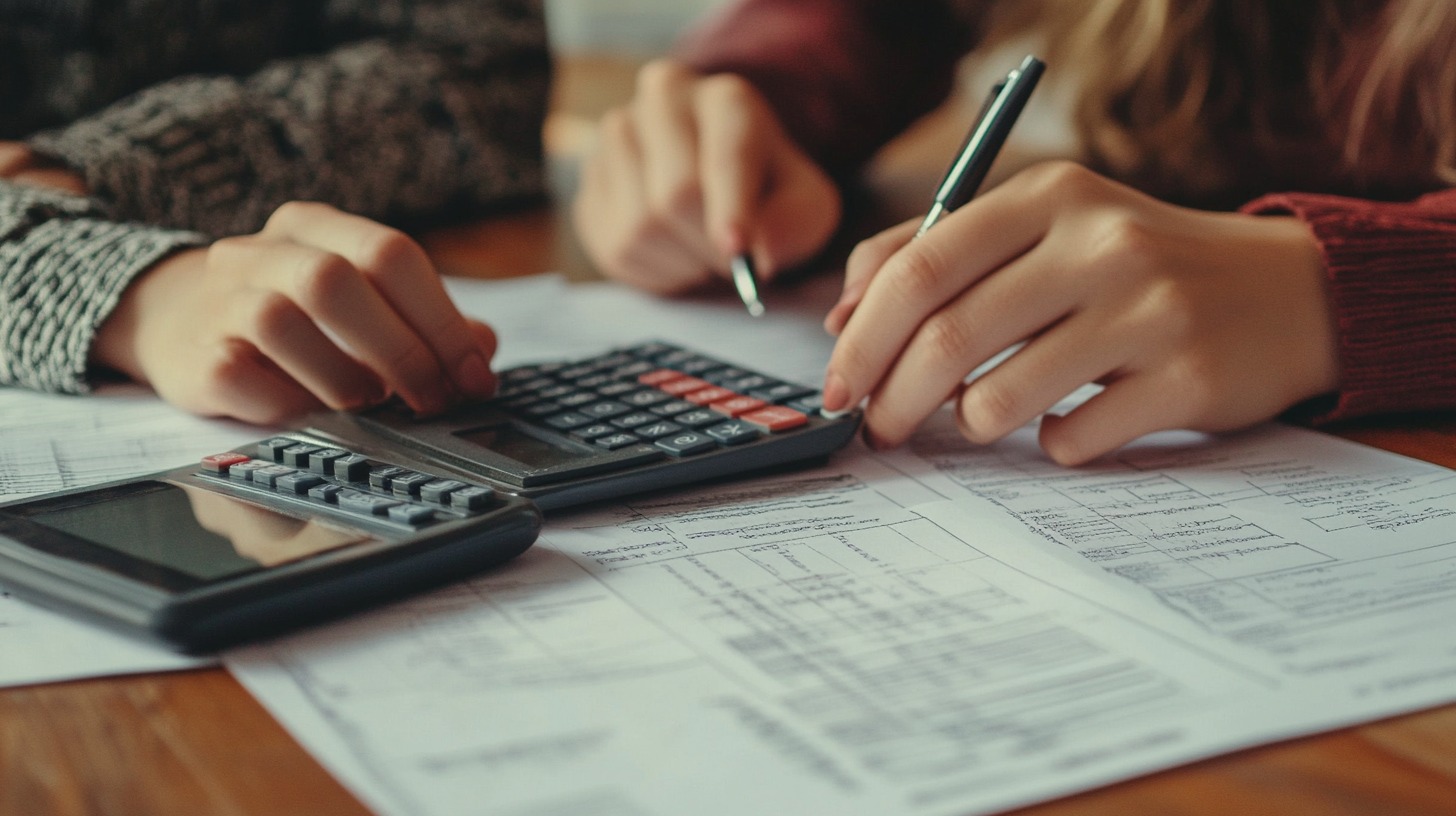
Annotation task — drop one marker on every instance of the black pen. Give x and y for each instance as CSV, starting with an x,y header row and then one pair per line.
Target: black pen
x,y
984,141
746,282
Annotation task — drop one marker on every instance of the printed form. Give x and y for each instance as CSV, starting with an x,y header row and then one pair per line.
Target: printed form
x,y
956,632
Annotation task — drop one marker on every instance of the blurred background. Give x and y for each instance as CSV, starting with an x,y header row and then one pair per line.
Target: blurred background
x,y
626,27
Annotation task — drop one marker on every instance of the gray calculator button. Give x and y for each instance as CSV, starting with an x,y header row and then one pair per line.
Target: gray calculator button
x,y
810,405
383,477
606,409
569,420
411,513
590,432
352,468
646,399
700,418
634,419
673,408
577,399
297,482
268,476
357,501
325,492
272,449
243,471
733,432
752,382
296,456
439,490
781,393
686,443
409,484
473,497
657,429
323,461
617,389
616,440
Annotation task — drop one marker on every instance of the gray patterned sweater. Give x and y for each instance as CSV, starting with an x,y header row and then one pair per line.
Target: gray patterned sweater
x,y
194,119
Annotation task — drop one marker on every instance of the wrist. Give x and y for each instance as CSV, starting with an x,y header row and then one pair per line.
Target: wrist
x,y
120,337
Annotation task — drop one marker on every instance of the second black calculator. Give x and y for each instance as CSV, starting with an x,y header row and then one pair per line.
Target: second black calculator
x,y
646,417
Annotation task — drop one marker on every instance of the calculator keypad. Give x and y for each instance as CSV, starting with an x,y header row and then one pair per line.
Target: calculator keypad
x,y
680,402
350,482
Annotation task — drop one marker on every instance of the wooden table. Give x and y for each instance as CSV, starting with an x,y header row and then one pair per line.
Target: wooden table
x,y
196,743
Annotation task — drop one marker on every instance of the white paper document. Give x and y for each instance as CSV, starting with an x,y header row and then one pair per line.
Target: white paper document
x,y
947,629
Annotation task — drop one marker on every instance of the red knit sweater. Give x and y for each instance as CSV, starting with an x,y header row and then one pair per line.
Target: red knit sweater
x,y
847,75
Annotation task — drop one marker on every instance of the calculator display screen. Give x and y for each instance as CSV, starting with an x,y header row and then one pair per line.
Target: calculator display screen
x,y
517,445
198,533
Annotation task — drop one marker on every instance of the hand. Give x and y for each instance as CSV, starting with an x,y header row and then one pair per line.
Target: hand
x,y
320,308
20,164
1190,319
694,171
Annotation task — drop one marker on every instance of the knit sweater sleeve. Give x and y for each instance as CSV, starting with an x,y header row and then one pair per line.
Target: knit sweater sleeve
x,y
64,262
1391,271
418,109
415,110
844,76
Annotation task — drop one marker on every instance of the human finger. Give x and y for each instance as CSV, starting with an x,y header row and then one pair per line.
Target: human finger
x,y
864,260
919,278
1020,301
1129,407
666,128
232,378
399,270
732,162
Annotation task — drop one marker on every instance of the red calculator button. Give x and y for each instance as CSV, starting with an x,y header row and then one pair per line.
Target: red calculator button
x,y
737,406
660,376
708,396
686,385
776,418
220,462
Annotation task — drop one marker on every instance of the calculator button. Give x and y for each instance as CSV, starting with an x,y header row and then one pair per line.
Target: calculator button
x,y
616,441
357,501
696,366
268,475
473,497
569,420
411,513
297,482
776,418
709,395
382,477
606,409
578,399
734,432
439,490
544,408
659,376
272,449
243,471
809,405
576,372
555,391
684,386
220,462
323,461
686,443
326,492
725,375
634,419
409,484
657,429
752,382
737,406
700,418
590,432
646,398
595,381
636,369
674,358
781,393
352,468
296,456
617,388
672,408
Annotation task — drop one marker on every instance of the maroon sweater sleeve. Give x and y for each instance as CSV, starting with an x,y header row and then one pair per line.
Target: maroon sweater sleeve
x,y
843,75
1392,283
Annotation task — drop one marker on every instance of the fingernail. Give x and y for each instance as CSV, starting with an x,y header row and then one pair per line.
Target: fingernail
x,y
475,377
836,393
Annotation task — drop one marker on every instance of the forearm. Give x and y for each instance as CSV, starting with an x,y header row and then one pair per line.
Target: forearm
x,y
1391,275
844,75
439,110
63,267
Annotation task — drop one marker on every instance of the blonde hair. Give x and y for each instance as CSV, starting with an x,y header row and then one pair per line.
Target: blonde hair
x,y
1164,80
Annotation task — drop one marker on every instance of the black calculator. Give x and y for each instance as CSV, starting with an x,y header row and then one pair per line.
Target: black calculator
x,y
362,508
256,540
645,417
